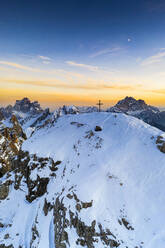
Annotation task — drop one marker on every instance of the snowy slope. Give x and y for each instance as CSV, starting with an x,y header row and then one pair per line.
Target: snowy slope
x,y
112,179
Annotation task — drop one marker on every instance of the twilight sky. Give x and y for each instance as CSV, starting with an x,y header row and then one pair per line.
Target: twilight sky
x,y
79,51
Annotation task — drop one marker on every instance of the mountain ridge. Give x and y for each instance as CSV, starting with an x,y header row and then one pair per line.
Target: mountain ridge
x,y
32,116
139,109
78,186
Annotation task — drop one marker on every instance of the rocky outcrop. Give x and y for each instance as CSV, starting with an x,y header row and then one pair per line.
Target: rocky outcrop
x,y
65,110
130,104
69,110
1,115
87,236
37,188
41,118
4,191
4,246
7,112
28,168
11,139
160,141
54,194
98,129
141,110
25,105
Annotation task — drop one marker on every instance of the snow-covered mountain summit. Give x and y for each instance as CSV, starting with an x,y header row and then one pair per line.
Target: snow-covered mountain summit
x,y
89,180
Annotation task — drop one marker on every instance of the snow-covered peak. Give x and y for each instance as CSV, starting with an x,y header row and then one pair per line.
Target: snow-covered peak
x,y
91,180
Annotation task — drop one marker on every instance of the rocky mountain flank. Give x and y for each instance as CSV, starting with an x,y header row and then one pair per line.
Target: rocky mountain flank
x,y
141,110
11,139
24,106
130,104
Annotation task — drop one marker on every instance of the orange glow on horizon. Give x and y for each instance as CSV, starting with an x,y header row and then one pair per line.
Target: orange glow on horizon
x,y
9,96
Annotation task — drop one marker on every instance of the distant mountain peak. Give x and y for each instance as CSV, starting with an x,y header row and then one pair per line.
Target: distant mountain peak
x,y
130,104
25,105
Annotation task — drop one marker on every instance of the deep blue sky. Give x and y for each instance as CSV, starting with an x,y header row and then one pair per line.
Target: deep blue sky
x,y
71,27
116,44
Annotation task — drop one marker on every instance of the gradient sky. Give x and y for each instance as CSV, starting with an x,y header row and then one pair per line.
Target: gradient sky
x,y
79,51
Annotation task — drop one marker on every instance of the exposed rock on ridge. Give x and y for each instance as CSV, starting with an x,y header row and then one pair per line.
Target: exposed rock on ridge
x,y
11,139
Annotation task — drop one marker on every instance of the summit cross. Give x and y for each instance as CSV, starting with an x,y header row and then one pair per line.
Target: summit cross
x,y
99,103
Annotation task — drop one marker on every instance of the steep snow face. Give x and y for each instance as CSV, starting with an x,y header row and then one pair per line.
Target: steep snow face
x,y
110,179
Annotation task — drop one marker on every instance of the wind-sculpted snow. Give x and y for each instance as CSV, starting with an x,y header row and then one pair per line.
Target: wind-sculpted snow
x,y
88,180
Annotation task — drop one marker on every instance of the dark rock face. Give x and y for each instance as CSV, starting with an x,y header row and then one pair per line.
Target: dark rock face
x,y
41,118
11,141
158,120
155,119
131,104
17,129
4,191
4,246
140,110
98,129
25,105
160,143
37,188
87,234
1,115
125,223
47,207
24,165
6,112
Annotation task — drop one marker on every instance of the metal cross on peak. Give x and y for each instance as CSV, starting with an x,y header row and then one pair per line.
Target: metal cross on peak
x,y
99,103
